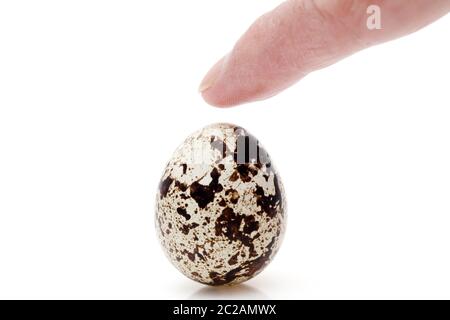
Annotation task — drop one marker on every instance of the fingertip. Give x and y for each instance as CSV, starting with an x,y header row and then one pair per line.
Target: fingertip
x,y
232,88
211,76
256,68
217,89
218,100
210,86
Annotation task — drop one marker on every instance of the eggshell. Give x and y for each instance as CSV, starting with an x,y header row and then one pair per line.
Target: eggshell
x,y
220,206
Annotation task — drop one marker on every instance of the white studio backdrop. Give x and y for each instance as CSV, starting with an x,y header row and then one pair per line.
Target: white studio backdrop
x,y
96,95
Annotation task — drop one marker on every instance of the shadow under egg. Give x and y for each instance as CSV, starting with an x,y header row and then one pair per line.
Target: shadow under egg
x,y
239,291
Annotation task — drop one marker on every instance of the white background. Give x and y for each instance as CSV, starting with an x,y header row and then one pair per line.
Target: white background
x,y
96,95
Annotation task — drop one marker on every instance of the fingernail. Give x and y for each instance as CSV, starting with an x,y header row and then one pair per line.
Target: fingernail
x,y
211,77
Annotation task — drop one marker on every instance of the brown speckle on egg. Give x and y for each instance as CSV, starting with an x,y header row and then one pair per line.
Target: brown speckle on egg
x,y
222,206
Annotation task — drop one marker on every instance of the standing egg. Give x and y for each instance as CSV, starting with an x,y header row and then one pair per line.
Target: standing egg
x,y
220,207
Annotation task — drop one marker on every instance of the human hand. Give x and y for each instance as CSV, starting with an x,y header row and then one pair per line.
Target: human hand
x,y
301,36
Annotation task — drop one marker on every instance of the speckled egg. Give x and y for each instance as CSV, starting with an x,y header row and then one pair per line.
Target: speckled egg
x,y
220,206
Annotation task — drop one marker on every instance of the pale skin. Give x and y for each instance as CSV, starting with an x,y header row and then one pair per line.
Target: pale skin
x,y
301,36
